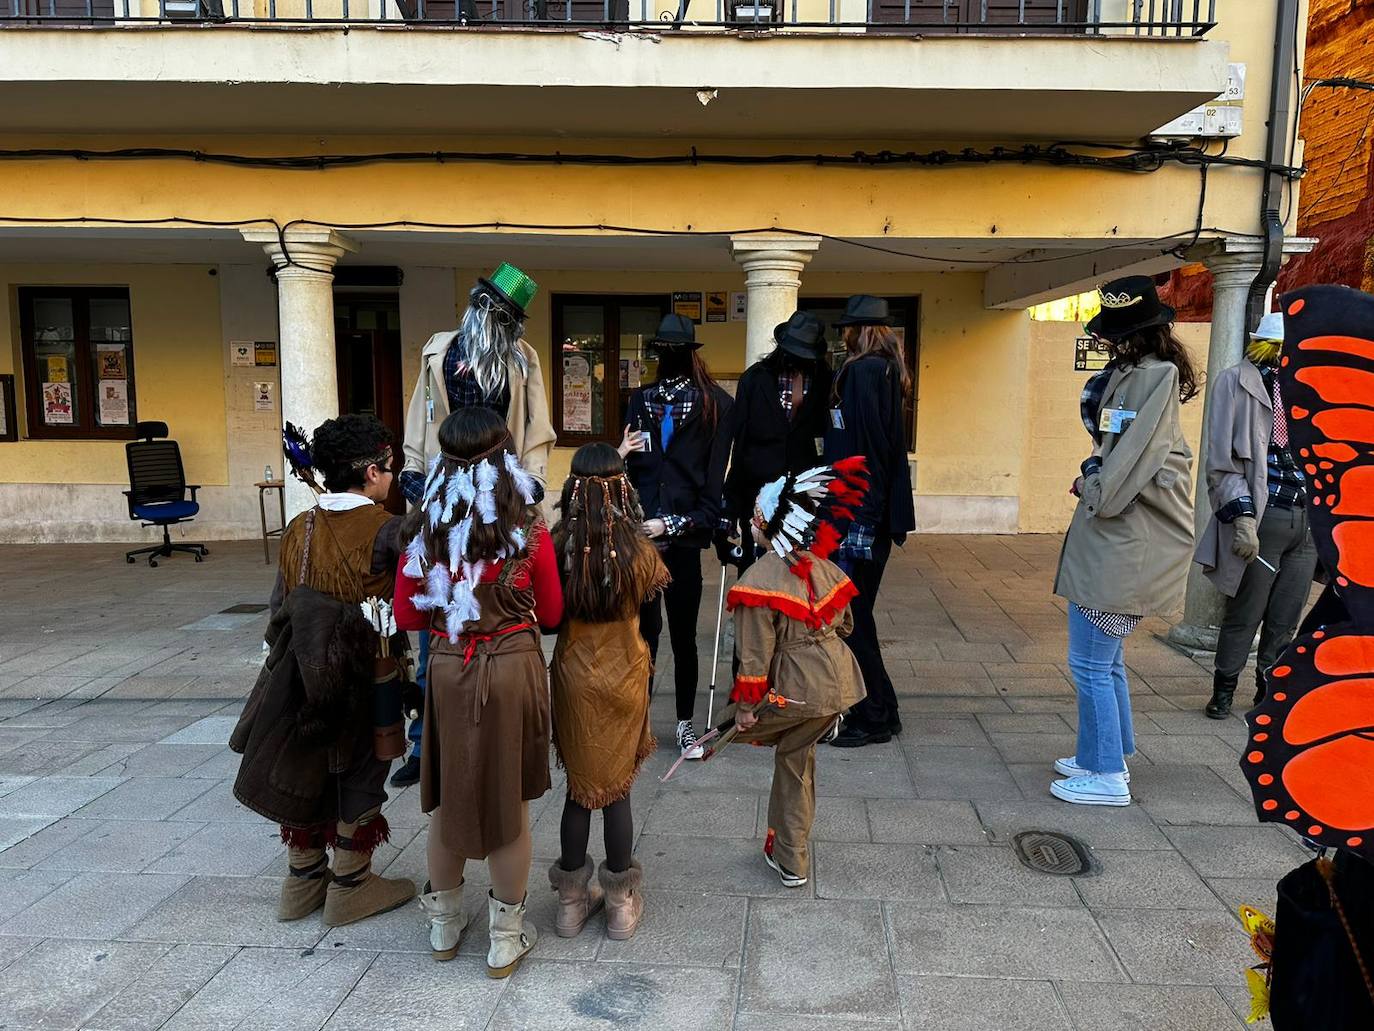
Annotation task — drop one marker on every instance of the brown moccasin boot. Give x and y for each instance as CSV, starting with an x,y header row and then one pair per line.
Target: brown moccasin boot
x,y
356,892
307,881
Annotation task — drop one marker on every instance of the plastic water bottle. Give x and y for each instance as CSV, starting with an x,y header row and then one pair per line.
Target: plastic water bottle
x,y
267,473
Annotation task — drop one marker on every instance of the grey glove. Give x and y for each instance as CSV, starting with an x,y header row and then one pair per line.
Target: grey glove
x,y
1245,543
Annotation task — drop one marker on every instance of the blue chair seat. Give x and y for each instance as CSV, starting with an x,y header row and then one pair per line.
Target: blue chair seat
x,y
166,510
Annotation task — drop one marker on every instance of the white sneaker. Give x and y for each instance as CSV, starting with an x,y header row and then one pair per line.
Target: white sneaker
x,y
687,741
1093,789
1069,768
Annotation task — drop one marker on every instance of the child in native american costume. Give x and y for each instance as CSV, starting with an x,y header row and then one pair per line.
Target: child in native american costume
x,y
307,731
796,676
600,666
480,577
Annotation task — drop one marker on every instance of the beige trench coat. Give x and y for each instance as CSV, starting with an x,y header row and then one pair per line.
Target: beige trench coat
x,y
1128,544
1240,421
527,420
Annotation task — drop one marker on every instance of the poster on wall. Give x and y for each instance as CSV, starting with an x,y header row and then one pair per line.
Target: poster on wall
x,y
57,403
687,304
631,373
110,363
262,397
717,308
242,352
114,402
577,394
265,352
739,306
57,369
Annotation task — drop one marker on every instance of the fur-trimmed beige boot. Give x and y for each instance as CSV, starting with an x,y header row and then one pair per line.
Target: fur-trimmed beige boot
x,y
624,903
356,892
578,897
511,936
307,880
447,920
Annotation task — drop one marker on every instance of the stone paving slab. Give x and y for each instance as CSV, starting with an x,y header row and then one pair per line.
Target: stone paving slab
x,y
129,845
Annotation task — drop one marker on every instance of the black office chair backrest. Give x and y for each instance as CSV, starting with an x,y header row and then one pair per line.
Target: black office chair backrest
x,y
151,430
155,471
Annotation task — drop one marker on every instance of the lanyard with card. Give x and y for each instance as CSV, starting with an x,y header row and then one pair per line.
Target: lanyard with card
x,y
837,418
429,405
1115,420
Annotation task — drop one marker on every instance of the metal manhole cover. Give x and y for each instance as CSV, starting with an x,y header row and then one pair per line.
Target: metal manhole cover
x,y
1052,853
244,607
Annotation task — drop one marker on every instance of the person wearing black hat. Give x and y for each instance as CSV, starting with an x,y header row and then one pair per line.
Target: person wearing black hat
x,y
867,417
777,424
1126,552
675,457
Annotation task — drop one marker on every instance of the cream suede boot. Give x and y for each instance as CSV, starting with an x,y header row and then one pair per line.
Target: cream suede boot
x,y
447,920
511,937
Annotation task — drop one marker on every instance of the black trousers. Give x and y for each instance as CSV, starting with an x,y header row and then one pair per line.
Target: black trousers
x,y
682,599
879,710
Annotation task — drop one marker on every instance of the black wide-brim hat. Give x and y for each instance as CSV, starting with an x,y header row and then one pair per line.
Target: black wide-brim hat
x,y
865,310
802,335
1129,305
676,331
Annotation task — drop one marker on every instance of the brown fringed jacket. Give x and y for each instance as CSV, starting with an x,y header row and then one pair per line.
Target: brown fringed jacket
x,y
789,621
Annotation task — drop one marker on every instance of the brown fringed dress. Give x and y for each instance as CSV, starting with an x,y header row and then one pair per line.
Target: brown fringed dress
x,y
600,682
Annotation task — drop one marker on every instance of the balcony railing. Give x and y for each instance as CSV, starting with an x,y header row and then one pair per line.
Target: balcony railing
x,y
1153,18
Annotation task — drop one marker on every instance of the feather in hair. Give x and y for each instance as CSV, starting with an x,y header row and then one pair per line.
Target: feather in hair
x,y
415,557
524,482
486,486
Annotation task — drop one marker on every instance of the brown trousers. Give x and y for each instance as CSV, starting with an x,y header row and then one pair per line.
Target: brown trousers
x,y
792,801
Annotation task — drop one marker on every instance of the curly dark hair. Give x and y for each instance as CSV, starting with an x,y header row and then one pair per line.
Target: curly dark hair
x,y
343,448
1160,342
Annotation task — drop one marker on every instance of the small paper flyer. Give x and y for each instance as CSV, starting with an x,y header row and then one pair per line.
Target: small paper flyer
x,y
57,404
114,402
110,363
262,397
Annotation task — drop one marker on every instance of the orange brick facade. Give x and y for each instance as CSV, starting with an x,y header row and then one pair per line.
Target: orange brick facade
x,y
1337,198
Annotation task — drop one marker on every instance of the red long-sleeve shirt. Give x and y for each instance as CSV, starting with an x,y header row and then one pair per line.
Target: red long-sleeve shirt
x,y
541,573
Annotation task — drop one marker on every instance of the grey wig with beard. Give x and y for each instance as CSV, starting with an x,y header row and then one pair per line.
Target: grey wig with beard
x,y
490,332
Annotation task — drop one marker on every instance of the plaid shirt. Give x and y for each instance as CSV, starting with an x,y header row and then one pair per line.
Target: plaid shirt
x,y
1113,624
461,385
786,389
684,396
1090,401
1287,485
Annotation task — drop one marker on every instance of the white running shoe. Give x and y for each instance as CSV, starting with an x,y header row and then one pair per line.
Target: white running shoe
x,y
1093,789
1069,768
687,741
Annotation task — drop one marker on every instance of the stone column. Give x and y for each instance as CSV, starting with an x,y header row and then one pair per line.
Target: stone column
x,y
1232,274
772,275
305,321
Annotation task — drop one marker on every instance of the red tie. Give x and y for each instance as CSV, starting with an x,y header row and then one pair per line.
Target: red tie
x,y
1280,419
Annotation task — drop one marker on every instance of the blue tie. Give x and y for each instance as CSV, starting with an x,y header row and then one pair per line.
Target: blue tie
x,y
667,425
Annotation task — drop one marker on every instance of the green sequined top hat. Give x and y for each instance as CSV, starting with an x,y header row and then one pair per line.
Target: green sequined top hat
x,y
512,286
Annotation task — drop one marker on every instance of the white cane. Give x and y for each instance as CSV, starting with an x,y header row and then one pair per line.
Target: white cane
x,y
715,654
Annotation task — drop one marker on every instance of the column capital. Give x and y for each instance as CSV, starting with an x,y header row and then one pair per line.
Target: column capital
x,y
1243,255
785,250
309,250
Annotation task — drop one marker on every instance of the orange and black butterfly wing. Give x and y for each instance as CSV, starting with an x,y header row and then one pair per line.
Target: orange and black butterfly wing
x,y
1310,758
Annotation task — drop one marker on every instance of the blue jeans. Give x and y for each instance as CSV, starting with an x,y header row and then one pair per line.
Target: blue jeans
x,y
417,725
1097,661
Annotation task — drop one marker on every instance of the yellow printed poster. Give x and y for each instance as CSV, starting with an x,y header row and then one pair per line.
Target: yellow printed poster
x,y
717,307
57,370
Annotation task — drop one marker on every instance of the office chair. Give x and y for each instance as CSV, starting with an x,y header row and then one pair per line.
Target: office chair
x,y
157,491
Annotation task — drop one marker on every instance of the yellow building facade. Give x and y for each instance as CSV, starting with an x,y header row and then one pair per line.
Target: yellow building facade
x,y
288,207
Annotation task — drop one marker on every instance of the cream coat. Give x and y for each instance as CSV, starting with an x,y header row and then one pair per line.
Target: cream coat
x,y
527,420
1240,421
1128,544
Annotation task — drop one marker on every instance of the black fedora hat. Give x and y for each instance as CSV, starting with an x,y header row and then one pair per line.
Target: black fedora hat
x,y
676,331
865,310
802,335
1128,306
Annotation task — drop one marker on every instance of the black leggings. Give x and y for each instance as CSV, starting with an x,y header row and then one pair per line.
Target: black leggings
x,y
682,599
576,828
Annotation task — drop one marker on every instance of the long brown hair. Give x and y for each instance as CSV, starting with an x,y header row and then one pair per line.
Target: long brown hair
x,y
1158,342
466,438
883,341
599,537
680,361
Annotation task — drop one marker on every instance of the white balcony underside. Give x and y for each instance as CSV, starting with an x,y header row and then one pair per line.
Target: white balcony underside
x,y
566,84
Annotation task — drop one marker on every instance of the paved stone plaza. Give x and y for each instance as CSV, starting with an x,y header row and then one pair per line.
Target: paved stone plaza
x,y
135,894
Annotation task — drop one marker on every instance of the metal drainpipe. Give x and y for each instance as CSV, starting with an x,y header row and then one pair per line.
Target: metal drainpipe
x,y
1280,114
